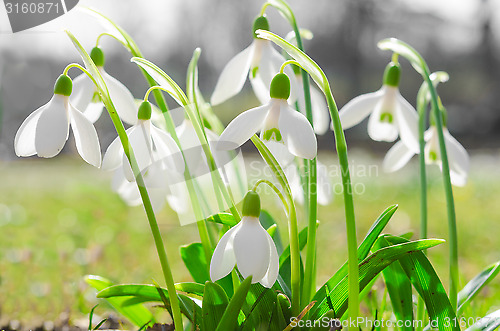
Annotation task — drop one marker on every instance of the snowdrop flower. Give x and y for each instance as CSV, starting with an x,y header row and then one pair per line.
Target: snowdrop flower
x,y
321,115
149,144
260,61
458,158
87,98
391,115
248,246
324,187
276,120
45,131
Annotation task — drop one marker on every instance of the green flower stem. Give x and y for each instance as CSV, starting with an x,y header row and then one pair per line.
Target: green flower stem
x,y
201,224
311,173
160,248
274,188
132,47
341,146
422,121
293,233
218,182
452,223
320,78
419,64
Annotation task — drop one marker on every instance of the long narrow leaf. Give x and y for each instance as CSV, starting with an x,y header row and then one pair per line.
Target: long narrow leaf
x,y
363,251
368,269
137,314
214,305
488,323
399,289
473,287
195,261
229,320
426,281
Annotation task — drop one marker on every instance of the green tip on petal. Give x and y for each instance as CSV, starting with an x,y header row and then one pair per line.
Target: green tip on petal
x,y
97,55
64,85
280,87
144,111
260,23
251,204
391,74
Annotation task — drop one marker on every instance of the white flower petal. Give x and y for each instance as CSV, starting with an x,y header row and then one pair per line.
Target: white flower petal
x,y
93,111
24,142
260,89
324,188
87,142
224,259
122,99
140,142
293,177
113,156
243,127
251,249
280,152
358,108
397,157
274,264
407,119
233,76
167,150
380,130
297,133
321,114
83,91
53,127
458,159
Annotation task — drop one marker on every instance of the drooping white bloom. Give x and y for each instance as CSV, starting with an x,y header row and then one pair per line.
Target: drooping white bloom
x,y
324,188
458,158
260,62
390,114
45,131
277,121
321,115
149,144
249,246
86,97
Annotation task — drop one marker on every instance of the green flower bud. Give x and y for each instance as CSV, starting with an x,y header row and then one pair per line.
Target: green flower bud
x,y
251,204
144,111
260,23
391,74
280,87
97,55
63,85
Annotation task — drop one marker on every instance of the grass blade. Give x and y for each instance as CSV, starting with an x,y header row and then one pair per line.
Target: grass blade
x,y
229,320
473,287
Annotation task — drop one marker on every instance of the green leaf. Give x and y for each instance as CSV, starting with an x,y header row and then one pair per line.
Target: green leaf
x,y
425,280
368,269
192,77
91,67
215,303
164,80
405,50
363,251
476,284
229,320
399,289
259,306
267,221
135,293
488,323
284,10
195,261
137,314
285,262
223,218
119,33
302,58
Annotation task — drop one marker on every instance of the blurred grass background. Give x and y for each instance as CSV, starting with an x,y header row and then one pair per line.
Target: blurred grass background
x,y
59,220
